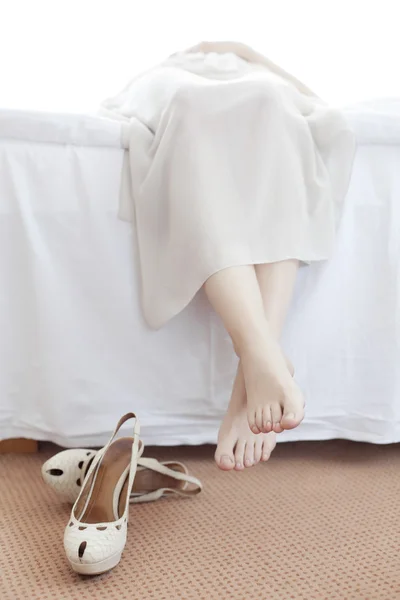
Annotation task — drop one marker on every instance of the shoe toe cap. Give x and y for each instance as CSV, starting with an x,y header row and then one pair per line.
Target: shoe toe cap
x,y
65,472
93,544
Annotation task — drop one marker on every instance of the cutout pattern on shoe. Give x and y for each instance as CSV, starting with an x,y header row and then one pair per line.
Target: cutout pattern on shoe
x,y
63,471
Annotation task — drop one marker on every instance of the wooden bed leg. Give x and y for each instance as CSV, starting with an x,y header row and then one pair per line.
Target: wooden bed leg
x,y
18,446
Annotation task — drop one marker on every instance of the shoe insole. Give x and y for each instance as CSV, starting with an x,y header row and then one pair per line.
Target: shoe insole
x,y
148,480
115,461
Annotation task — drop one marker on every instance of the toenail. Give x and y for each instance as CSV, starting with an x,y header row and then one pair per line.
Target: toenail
x,y
238,465
249,463
226,459
290,416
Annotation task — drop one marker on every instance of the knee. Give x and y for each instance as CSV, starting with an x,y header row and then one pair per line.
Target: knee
x,y
192,107
186,99
266,93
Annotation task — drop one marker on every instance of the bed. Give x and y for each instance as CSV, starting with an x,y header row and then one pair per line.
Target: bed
x,y
75,351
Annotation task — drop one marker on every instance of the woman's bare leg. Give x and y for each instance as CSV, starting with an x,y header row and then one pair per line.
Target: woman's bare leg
x,y
237,446
235,295
276,282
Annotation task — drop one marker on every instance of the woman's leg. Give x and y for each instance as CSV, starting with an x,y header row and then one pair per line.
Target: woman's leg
x,y
237,446
276,282
235,295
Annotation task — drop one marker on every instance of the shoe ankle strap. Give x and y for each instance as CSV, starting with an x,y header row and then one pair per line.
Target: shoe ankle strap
x,y
124,419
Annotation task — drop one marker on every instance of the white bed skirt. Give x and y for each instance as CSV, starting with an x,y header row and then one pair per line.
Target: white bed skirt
x,y
75,351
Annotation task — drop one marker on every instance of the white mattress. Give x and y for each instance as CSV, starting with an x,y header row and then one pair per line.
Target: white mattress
x,y
75,351
58,128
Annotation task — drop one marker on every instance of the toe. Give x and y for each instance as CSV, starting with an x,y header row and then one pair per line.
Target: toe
x,y
267,419
239,455
258,448
259,419
291,419
269,443
251,417
276,414
249,454
224,457
292,415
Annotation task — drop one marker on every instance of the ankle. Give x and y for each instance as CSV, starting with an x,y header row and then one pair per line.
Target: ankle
x,y
249,339
236,403
259,348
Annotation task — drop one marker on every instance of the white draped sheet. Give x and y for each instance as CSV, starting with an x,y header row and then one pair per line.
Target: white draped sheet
x,y
75,351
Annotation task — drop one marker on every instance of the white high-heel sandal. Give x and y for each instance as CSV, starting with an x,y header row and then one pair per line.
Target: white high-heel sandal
x,y
66,471
96,533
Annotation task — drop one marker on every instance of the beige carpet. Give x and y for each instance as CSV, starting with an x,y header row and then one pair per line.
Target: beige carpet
x,y
319,521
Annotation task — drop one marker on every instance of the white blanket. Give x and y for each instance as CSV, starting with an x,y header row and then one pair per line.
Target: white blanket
x,y
231,164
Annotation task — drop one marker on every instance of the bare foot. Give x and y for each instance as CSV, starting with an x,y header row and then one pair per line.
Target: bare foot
x,y
290,366
274,400
238,447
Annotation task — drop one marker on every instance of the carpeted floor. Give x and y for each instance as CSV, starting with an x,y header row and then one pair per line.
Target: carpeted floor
x,y
319,521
